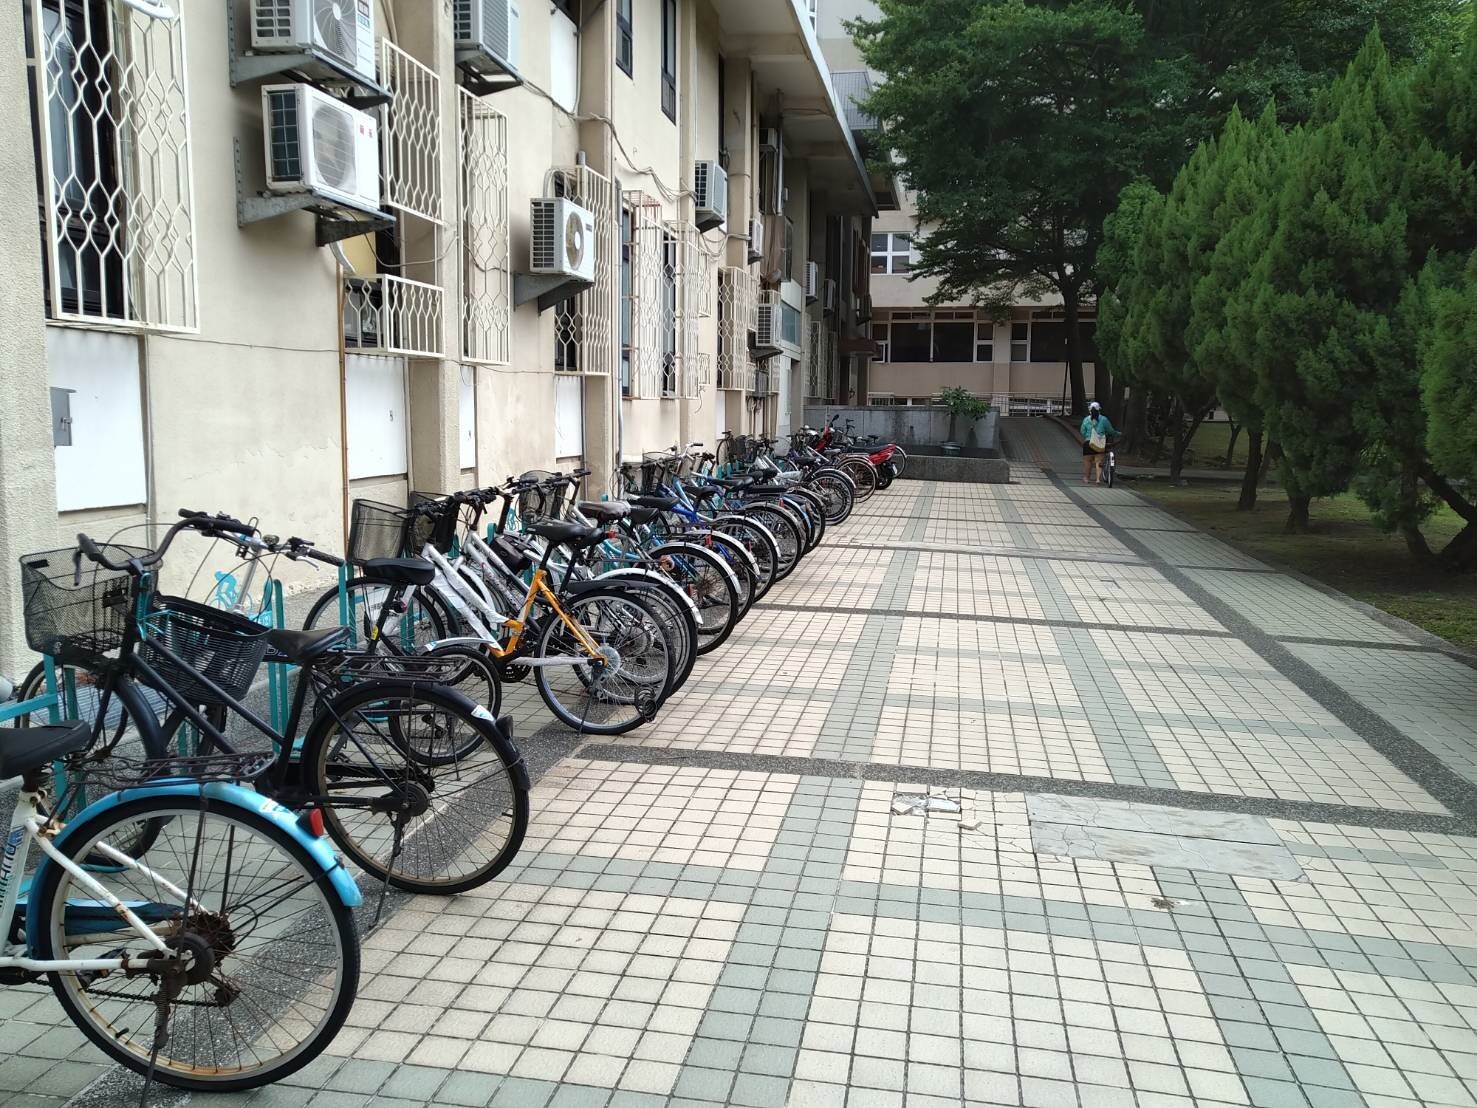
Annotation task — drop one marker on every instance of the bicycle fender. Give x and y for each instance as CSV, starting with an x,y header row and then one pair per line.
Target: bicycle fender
x,y
227,795
676,549
653,576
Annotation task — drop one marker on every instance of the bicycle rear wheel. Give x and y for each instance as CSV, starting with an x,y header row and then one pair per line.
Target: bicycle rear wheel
x,y
709,582
423,790
280,945
863,472
628,686
757,540
787,530
427,617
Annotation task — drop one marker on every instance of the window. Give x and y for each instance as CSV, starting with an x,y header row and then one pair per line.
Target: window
x,y
1020,342
1048,341
790,324
911,341
939,336
83,157
669,59
624,49
628,248
892,253
984,341
953,339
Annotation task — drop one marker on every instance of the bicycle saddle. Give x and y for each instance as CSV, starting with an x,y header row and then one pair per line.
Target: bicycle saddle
x,y
400,571
302,647
607,511
767,489
660,503
735,482
23,749
701,492
567,534
641,516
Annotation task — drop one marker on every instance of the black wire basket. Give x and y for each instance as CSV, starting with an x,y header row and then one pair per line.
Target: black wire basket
x,y
436,519
544,502
379,531
220,646
652,475
77,622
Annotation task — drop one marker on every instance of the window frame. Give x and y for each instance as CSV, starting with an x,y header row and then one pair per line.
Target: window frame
x,y
984,340
891,255
1020,340
669,59
625,41
627,293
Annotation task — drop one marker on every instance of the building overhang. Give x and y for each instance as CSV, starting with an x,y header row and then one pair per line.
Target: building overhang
x,y
777,38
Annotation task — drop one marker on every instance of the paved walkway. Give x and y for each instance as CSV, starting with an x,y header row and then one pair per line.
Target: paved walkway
x,y
1020,794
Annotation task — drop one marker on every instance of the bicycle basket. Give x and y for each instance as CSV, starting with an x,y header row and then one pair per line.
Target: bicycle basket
x,y
77,623
653,472
543,502
435,522
380,531
220,646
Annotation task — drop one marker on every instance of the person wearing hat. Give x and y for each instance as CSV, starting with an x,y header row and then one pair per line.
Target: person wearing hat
x,y
1096,429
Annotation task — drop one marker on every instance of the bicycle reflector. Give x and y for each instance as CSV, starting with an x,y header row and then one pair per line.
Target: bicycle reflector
x,y
311,821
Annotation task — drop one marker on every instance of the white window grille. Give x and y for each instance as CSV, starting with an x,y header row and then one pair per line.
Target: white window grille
x,y
774,370
586,337
391,315
411,134
650,345
486,274
738,314
116,164
692,278
832,382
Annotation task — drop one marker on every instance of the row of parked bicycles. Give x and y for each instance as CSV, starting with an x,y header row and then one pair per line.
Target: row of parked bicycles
x,y
175,862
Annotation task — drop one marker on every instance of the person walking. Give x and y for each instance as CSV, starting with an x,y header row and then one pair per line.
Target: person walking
x,y
1096,428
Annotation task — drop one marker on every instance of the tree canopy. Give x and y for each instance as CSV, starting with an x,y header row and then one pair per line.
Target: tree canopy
x,y
1019,122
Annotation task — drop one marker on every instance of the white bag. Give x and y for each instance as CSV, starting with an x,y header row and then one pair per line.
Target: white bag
x,y
1099,441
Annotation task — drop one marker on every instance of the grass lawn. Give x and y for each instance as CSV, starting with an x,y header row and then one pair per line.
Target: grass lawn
x,y
1207,449
1343,550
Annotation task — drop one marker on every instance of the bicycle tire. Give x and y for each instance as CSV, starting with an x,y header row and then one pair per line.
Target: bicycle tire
x,y
863,473
813,505
837,494
379,759
670,605
710,583
624,697
757,541
128,1037
745,567
788,533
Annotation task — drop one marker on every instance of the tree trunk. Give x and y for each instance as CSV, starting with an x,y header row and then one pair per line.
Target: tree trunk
x,y
1074,350
1115,406
1253,475
1442,488
1410,528
1183,436
1460,555
1138,417
1297,513
1231,447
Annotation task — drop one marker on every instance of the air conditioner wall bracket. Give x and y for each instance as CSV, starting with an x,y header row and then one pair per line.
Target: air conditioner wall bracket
x,y
548,289
335,222
483,75
316,67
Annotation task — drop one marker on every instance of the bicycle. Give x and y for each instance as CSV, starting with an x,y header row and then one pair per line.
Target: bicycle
x,y
390,756
225,959
602,663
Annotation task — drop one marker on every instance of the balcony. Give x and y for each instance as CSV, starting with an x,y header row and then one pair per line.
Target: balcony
x,y
384,314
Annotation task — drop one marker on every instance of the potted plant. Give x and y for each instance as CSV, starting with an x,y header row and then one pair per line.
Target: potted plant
x,y
961,403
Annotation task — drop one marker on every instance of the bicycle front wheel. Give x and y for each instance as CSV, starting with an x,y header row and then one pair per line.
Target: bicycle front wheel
x,y
421,789
268,957
624,686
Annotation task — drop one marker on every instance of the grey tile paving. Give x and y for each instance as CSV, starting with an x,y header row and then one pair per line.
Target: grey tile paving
x,y
731,906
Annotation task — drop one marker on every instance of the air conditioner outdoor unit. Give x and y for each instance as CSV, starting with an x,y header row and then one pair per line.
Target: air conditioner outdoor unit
x,y
317,143
767,337
828,295
812,282
563,239
756,240
489,27
341,29
769,140
710,194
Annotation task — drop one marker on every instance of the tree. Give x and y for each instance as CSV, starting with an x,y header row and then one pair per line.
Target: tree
x,y
1250,157
1019,122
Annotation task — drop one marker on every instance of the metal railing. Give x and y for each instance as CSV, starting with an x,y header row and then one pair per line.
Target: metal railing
x,y
385,314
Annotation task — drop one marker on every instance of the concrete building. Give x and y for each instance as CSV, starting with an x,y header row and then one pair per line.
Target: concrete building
x,y
181,334
1017,362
